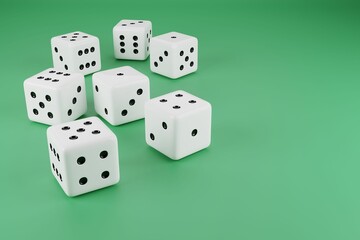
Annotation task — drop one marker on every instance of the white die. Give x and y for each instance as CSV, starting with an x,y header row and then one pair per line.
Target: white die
x,y
174,54
76,52
178,124
83,155
54,97
132,39
120,94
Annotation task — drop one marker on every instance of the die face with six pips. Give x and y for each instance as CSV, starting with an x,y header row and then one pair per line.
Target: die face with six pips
x,y
131,39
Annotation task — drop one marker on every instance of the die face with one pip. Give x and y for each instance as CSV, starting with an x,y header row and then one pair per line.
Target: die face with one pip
x,y
132,39
76,52
120,94
54,97
178,124
83,155
174,54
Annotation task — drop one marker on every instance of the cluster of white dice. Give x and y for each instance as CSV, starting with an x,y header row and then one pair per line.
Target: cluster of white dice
x,y
84,153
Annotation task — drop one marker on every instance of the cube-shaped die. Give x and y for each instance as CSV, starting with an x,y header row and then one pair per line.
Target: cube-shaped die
x,y
132,39
76,52
178,124
174,54
54,97
83,155
120,94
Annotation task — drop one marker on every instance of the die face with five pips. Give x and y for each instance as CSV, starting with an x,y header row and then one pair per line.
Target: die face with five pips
x,y
54,97
174,54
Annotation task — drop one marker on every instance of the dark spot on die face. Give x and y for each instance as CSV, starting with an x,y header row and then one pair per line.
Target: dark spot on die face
x,y
103,154
56,50
178,95
161,59
192,50
33,95
41,105
81,67
78,89
156,64
132,102
48,98
166,53
181,53
164,125
87,65
81,160
80,52
96,88
122,44
86,51
139,91
152,137
192,101
136,51
65,128
92,49
176,107
106,111
69,112
93,63
73,137
50,115
83,181
122,50
181,67
124,112
135,44
163,100
74,100
122,37
87,123
135,38
105,174
35,111
95,132
194,132
191,64
80,130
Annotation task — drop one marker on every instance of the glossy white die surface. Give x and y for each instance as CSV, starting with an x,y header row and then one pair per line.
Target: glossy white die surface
x,y
178,124
83,155
131,39
76,52
120,94
54,97
174,54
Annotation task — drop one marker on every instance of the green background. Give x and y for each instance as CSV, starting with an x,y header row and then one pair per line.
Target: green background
x,y
283,79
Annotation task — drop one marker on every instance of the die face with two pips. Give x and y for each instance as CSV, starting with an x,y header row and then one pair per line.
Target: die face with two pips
x,y
178,124
174,54
120,94
76,52
54,97
83,155
131,39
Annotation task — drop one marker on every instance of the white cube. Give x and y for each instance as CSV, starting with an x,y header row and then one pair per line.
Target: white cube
x,y
76,52
178,124
174,54
132,39
120,94
54,97
83,155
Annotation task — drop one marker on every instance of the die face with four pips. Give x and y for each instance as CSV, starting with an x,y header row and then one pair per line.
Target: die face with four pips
x,y
76,52
83,155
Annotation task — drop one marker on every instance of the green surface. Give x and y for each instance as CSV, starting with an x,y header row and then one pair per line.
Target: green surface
x,y
283,78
